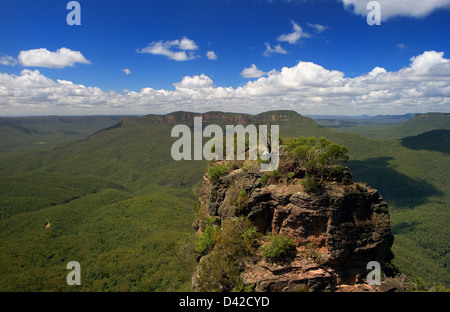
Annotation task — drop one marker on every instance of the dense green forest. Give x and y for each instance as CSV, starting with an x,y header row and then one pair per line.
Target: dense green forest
x,y
119,205
419,124
30,132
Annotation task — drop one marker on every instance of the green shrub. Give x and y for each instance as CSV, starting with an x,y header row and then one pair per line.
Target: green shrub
x,y
316,156
275,173
233,245
250,233
439,288
264,179
205,241
310,184
302,288
241,288
247,167
216,171
280,247
251,166
242,200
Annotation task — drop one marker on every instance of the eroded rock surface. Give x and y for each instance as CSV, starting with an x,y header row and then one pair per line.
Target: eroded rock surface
x,y
337,229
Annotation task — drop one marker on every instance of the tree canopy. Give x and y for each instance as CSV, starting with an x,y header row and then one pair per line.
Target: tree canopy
x,y
317,156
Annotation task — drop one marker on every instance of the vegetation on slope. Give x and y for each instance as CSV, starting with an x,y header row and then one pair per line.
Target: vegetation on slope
x,y
119,204
21,133
116,203
419,124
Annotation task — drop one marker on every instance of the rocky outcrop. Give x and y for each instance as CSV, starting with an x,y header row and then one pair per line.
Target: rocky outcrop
x,y
337,229
296,275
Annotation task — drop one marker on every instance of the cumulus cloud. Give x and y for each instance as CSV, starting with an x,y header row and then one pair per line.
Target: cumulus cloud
x,y
195,82
421,86
126,71
173,49
211,55
8,60
296,34
391,8
252,72
428,62
186,44
44,58
275,50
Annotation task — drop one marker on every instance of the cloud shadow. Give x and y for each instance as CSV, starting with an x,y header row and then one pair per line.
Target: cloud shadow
x,y
435,140
396,188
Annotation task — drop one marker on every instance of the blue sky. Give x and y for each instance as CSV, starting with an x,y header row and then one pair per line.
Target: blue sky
x,y
324,35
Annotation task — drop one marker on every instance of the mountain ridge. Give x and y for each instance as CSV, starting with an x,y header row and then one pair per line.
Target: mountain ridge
x,y
218,117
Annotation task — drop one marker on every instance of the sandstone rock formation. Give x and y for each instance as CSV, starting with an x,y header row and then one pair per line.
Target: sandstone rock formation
x,y
337,229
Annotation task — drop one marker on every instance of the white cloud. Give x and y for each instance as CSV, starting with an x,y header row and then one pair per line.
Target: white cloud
x,y
8,60
426,62
292,80
276,49
421,86
211,55
195,82
393,8
317,27
295,35
126,71
252,72
173,49
44,58
187,44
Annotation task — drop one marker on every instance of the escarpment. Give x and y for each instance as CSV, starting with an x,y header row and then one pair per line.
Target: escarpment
x,y
337,228
216,117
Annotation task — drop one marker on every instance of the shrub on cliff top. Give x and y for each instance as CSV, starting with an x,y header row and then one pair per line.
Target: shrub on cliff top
x,y
316,156
310,184
216,171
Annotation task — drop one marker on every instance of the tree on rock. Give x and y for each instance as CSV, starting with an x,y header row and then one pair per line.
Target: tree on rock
x,y
319,157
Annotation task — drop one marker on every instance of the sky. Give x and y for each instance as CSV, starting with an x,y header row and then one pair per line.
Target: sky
x,y
316,57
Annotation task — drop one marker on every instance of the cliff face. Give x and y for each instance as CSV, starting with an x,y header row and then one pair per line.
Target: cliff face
x,y
219,118
337,230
